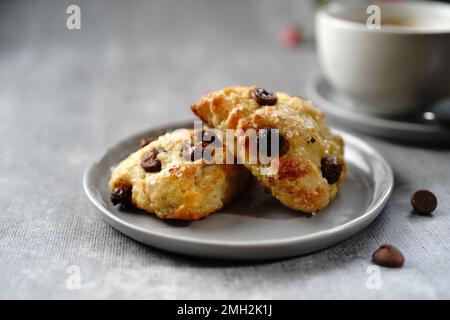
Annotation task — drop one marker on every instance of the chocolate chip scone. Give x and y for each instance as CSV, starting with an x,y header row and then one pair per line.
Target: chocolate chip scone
x,y
311,163
161,179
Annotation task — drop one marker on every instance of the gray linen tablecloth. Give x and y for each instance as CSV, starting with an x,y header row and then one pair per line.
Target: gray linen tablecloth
x,y
65,95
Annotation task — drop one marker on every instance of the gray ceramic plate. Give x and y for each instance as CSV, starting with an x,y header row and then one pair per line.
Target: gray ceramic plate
x,y
254,226
419,128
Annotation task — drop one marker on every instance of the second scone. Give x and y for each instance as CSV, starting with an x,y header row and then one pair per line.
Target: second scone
x,y
160,179
311,162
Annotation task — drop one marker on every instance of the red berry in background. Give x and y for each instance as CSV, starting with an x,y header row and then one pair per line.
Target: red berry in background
x,y
290,36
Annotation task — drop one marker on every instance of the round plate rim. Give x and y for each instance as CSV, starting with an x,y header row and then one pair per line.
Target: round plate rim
x,y
372,211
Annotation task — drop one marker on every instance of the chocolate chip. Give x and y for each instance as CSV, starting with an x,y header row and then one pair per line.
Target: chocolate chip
x,y
265,136
264,97
190,152
311,140
146,141
388,256
208,137
194,153
331,169
150,163
424,201
121,195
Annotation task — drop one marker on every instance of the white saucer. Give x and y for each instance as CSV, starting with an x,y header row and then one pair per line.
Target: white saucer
x,y
255,226
340,110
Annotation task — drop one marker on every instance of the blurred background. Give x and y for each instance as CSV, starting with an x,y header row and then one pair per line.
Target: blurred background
x,y
139,60
144,59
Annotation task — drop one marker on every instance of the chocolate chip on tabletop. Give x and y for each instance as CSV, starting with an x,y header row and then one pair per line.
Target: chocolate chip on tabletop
x,y
264,97
150,163
121,195
388,256
424,201
331,169
146,141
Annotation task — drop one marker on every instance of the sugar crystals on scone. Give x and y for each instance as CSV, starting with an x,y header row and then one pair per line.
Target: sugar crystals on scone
x,y
311,165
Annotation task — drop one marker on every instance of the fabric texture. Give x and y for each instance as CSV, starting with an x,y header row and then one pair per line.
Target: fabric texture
x,y
66,95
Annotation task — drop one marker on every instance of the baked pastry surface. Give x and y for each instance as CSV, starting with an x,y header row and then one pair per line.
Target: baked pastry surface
x,y
311,162
159,179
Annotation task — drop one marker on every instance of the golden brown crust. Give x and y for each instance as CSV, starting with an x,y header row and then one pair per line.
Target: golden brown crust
x,y
182,189
299,183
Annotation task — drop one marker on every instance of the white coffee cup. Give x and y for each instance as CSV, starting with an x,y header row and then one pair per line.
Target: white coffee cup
x,y
397,69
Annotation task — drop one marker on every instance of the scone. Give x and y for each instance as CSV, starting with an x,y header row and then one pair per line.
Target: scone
x,y
159,178
311,165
